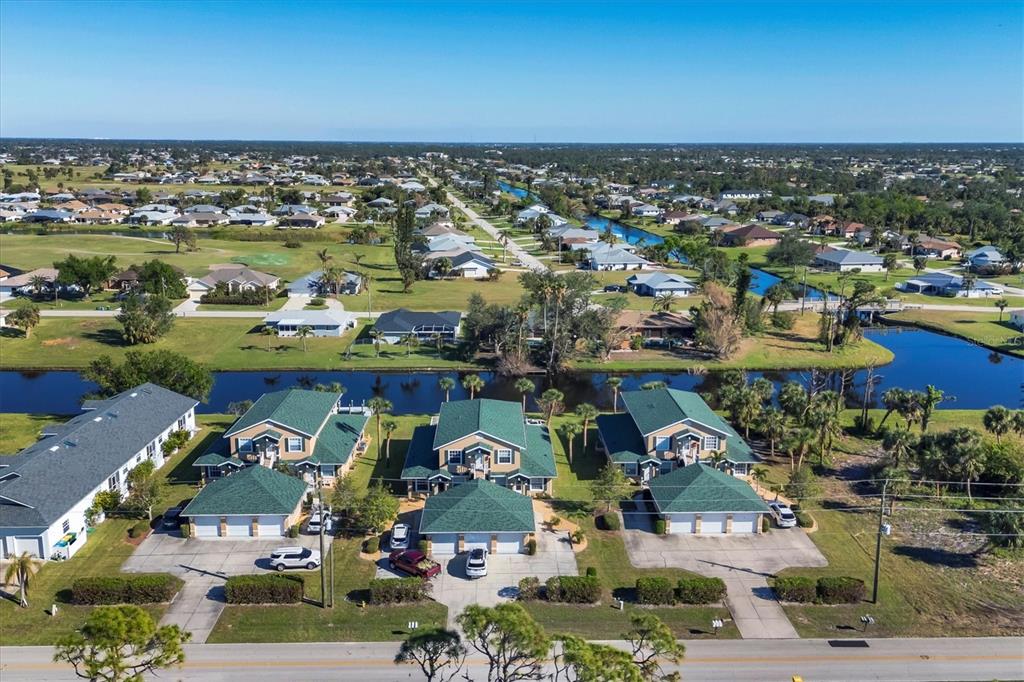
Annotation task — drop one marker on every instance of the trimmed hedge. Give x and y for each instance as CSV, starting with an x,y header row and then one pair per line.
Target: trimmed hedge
x,y
373,545
264,588
591,571
398,590
423,546
796,589
803,519
700,590
143,588
139,529
659,526
610,521
531,547
655,590
529,588
840,590
573,589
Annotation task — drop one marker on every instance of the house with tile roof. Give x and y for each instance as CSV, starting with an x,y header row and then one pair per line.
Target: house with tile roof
x,y
665,429
480,439
699,499
47,489
477,514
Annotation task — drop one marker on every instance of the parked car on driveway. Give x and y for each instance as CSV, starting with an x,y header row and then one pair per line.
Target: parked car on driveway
x,y
294,557
413,562
783,515
400,533
318,519
476,563
615,288
172,518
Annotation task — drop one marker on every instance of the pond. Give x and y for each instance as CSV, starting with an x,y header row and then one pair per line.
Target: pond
x,y
972,377
517,192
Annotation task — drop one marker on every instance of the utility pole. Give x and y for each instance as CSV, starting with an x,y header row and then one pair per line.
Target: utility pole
x,y
323,576
330,550
803,292
878,542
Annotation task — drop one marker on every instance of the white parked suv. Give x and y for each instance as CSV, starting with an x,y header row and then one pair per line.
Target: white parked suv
x,y
476,563
294,557
783,515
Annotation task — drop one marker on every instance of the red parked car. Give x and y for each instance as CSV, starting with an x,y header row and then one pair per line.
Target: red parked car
x,y
413,562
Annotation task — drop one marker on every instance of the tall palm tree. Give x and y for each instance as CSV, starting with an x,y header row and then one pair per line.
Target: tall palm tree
x,y
663,302
998,421
928,401
21,568
797,444
971,466
1001,304
38,283
614,383
570,430
438,342
587,413
389,426
446,384
1017,422
379,405
525,387
411,341
899,443
472,383
324,257
760,476
270,332
377,337
303,332
551,401
773,426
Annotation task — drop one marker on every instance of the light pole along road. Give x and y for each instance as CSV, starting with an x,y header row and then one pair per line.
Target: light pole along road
x,y
898,660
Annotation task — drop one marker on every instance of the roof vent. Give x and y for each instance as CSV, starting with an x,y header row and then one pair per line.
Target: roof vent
x,y
71,443
132,395
97,419
54,448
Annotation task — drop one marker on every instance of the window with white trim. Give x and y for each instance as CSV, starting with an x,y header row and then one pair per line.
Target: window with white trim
x,y
293,444
662,443
504,456
114,481
499,480
631,468
151,450
666,466
537,484
245,444
711,442
454,456
181,423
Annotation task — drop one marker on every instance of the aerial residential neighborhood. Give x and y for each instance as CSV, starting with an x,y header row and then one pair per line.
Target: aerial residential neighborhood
x,y
442,341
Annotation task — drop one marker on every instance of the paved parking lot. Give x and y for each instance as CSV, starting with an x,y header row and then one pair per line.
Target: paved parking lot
x,y
744,562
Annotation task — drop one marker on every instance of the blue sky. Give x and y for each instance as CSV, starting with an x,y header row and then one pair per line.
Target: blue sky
x,y
486,71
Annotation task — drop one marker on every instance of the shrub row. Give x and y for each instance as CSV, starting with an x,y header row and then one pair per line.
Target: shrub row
x,y
398,590
659,590
610,521
143,588
826,590
573,589
529,588
139,529
803,519
268,588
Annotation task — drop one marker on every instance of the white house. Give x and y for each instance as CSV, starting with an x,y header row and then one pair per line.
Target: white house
x,y
839,260
47,488
320,322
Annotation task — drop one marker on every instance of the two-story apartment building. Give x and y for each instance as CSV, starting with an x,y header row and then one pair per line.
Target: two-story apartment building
x,y
480,439
664,429
47,488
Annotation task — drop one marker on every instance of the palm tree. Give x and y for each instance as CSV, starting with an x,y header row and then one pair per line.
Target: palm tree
x,y
587,413
928,401
302,333
410,341
270,332
389,426
21,568
551,401
438,342
614,383
899,443
377,337
442,266
379,405
663,302
1001,304
325,258
472,383
760,476
773,426
38,283
653,385
776,294
446,384
796,445
1017,422
998,421
971,466
570,430
525,387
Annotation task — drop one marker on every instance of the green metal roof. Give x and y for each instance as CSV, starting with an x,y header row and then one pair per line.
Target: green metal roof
x,y
477,507
537,459
303,411
420,460
253,490
702,488
499,419
338,438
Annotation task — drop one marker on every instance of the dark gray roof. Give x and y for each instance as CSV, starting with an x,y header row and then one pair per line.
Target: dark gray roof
x,y
45,480
405,321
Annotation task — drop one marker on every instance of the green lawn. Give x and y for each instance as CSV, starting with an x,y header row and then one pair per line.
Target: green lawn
x,y
18,431
981,327
103,553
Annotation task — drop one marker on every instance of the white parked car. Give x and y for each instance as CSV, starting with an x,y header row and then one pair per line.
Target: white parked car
x,y
783,515
400,534
294,557
476,563
317,519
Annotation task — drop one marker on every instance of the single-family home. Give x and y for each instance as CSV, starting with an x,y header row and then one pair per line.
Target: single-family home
x,y
47,489
292,209
791,220
602,256
395,325
664,429
985,257
306,221
477,514
714,223
25,283
461,262
646,211
744,194
339,214
660,282
945,284
768,216
338,199
200,219
241,278
936,248
48,215
654,328
749,235
480,439
152,217
429,212
320,322
698,499
380,203
256,219
313,284
842,260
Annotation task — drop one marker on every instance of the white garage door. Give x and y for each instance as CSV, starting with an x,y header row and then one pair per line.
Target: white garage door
x,y
712,524
477,541
207,526
239,526
271,526
444,543
744,523
32,545
510,543
681,524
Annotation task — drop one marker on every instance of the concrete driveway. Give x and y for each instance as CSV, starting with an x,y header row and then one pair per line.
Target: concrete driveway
x,y
744,562
453,589
203,565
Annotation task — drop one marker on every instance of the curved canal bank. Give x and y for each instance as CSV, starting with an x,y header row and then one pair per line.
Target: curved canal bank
x,y
971,376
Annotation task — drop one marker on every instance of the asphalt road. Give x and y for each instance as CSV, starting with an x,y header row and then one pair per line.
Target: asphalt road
x,y
894,660
517,250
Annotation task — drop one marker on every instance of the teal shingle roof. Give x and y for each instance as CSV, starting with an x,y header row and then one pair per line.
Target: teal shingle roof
x,y
537,459
621,438
500,419
253,490
420,461
477,507
303,411
337,439
702,488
